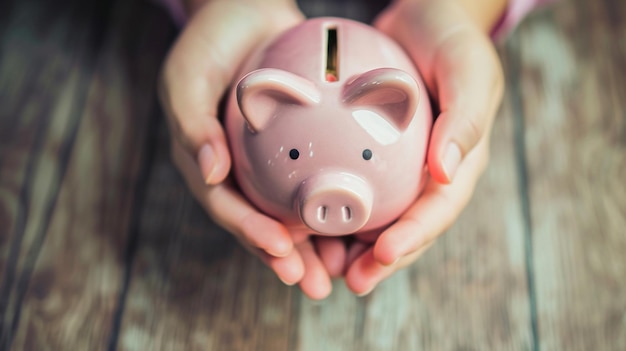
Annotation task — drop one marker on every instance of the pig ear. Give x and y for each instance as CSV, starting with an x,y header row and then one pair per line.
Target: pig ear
x,y
262,92
391,93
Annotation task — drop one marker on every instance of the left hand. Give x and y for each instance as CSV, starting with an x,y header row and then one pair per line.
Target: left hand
x,y
198,71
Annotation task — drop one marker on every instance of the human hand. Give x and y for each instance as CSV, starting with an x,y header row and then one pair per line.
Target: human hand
x,y
449,44
199,69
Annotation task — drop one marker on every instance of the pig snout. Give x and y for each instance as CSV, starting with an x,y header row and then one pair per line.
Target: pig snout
x,y
335,204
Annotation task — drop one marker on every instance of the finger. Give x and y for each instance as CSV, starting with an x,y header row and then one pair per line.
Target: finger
x,y
366,273
200,67
433,212
229,209
332,253
316,282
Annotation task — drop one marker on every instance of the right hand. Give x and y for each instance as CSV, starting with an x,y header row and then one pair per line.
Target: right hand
x,y
198,71
449,43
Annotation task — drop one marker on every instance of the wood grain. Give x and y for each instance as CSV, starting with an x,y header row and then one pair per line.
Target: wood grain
x,y
75,133
40,115
572,64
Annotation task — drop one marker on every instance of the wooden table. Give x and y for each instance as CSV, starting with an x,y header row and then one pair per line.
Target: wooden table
x,y
103,248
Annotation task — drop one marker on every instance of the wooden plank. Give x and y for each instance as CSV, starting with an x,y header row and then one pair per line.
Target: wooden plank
x,y
43,76
74,185
571,72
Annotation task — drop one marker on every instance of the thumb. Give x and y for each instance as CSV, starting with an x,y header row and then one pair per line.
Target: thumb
x,y
470,84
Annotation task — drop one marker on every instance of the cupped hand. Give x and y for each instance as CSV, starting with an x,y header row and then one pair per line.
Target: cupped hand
x,y
199,69
461,69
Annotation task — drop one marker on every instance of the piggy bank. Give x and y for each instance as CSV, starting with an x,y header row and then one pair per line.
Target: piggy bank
x,y
328,128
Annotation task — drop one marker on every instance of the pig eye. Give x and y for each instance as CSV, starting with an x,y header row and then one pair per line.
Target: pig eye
x,y
294,154
367,154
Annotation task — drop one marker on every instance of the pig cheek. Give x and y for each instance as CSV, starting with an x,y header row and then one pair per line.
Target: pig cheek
x,y
272,173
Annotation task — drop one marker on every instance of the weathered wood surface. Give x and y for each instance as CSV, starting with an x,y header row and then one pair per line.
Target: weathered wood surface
x,y
571,84
77,95
102,247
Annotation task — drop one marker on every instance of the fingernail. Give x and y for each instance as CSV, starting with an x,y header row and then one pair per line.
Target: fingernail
x,y
451,160
281,249
286,283
207,161
394,262
363,294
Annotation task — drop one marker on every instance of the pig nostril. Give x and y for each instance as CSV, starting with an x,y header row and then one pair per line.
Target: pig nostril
x,y
347,213
334,204
322,211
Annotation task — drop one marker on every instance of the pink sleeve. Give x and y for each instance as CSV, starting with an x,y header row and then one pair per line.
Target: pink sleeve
x,y
514,13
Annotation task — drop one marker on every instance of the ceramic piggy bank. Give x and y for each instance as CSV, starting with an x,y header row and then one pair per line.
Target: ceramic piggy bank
x,y
328,128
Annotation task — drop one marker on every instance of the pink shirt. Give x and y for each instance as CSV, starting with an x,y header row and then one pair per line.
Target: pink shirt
x,y
515,12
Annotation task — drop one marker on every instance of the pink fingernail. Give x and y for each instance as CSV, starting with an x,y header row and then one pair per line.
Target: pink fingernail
x,y
286,282
363,294
207,161
280,249
451,160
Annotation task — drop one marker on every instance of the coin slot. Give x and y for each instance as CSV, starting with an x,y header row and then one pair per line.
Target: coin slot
x,y
332,59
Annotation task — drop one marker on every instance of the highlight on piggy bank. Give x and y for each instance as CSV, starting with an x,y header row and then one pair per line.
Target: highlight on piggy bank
x,y
328,128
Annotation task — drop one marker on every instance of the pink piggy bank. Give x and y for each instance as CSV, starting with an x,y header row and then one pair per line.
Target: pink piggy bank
x,y
329,127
